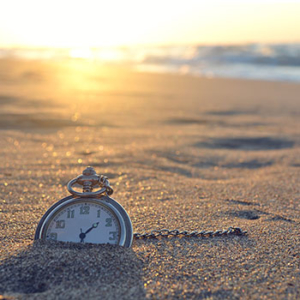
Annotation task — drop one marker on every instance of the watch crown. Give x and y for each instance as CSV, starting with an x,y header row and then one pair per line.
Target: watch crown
x,y
89,171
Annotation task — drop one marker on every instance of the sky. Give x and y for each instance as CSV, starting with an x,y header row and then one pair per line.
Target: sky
x,y
96,23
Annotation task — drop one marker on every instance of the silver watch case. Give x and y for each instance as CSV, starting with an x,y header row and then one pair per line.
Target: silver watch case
x,y
126,235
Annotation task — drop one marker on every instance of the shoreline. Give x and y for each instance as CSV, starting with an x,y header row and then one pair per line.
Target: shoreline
x,y
145,68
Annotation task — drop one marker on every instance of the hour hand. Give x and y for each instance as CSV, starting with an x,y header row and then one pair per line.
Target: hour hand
x,y
81,236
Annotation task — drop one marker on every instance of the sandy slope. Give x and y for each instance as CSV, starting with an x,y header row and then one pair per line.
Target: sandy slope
x,y
180,152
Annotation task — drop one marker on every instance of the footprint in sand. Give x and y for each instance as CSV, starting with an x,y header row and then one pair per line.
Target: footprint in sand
x,y
245,214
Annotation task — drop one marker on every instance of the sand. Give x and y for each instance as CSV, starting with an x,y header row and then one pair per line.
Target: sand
x,y
181,152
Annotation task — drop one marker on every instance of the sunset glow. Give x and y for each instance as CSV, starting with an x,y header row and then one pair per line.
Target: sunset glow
x,y
79,24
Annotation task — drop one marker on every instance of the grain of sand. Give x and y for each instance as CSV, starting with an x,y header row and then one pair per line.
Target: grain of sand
x,y
181,152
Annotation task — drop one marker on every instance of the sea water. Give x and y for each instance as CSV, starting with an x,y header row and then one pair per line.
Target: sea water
x,y
253,61
280,62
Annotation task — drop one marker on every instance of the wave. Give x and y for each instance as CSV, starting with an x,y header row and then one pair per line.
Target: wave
x,y
275,55
252,61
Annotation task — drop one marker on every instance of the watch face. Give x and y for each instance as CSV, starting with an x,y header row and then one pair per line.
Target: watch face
x,y
84,221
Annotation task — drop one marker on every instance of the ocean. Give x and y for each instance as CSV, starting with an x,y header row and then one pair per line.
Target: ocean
x,y
271,62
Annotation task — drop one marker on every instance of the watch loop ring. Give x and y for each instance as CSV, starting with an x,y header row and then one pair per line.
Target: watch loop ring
x,y
88,180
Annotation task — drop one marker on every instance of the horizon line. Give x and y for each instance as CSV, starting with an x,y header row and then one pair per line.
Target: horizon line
x,y
40,47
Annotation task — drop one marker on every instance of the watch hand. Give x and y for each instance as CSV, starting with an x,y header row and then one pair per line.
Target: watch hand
x,y
81,236
95,225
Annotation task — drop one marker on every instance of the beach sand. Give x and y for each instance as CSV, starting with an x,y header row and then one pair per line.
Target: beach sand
x,y
181,152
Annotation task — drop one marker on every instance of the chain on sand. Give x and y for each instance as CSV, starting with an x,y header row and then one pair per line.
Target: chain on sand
x,y
176,232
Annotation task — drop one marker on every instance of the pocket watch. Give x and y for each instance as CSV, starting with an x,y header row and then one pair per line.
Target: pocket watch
x,y
94,217
87,217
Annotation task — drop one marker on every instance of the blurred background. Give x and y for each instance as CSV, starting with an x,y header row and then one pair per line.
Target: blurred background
x,y
257,39
65,63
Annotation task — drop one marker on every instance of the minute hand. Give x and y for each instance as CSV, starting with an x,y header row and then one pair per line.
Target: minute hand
x,y
95,225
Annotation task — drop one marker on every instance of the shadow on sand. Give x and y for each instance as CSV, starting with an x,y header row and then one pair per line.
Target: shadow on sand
x,y
73,271
247,143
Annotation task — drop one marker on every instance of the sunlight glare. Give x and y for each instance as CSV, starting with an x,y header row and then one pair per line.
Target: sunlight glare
x,y
99,23
81,53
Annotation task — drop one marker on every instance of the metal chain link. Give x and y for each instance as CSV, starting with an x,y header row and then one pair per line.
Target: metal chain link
x,y
166,233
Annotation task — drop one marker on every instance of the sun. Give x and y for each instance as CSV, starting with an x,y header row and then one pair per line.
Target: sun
x,y
85,53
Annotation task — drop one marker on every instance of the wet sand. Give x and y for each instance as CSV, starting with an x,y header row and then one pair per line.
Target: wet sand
x,y
181,152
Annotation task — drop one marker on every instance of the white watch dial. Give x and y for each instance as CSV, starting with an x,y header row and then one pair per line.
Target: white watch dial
x,y
85,222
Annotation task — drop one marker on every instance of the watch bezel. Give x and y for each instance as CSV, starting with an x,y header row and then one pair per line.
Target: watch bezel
x,y
123,218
